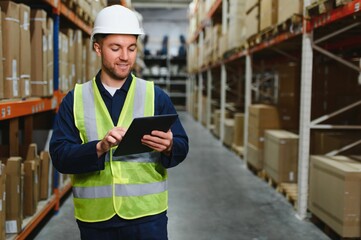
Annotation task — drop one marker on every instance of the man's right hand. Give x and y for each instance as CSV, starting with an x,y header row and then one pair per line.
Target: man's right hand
x,y
111,139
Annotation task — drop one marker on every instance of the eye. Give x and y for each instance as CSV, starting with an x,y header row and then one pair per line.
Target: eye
x,y
133,48
114,49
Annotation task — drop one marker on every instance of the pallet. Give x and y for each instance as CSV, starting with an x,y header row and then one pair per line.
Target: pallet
x,y
239,150
292,24
258,172
290,191
328,230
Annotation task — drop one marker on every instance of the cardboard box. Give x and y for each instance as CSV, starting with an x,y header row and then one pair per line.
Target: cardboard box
x,y
13,195
335,193
11,50
25,51
288,8
31,188
323,142
256,136
217,121
44,175
78,56
263,116
255,157
2,200
238,138
228,132
252,22
268,16
281,155
1,65
50,56
71,57
39,46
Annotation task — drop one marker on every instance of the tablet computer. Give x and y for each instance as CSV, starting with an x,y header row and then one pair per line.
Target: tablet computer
x,y
131,142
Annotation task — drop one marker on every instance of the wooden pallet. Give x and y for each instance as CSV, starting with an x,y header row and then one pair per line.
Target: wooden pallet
x,y
328,230
290,191
239,150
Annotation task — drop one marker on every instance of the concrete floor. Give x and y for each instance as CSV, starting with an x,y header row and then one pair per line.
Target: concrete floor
x,y
212,196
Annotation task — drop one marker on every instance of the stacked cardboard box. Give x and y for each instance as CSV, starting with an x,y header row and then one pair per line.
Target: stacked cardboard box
x,y
281,155
1,65
31,181
325,141
39,46
228,132
237,18
268,13
25,51
14,214
338,206
2,200
252,18
261,118
50,56
44,175
238,129
217,121
11,49
64,85
288,8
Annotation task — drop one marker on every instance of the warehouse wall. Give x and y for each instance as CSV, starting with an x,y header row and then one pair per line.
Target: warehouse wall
x,y
172,22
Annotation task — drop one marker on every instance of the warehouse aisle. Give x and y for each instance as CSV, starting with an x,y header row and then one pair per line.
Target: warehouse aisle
x,y
212,197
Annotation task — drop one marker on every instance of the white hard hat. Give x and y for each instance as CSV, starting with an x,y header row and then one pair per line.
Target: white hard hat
x,y
116,19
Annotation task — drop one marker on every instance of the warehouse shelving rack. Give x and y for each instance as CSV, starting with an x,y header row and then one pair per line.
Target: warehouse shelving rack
x,y
12,110
345,17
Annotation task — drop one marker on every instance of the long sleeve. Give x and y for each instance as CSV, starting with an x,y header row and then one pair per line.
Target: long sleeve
x,y
68,153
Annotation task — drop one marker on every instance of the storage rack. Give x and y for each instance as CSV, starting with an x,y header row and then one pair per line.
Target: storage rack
x,y
344,17
12,110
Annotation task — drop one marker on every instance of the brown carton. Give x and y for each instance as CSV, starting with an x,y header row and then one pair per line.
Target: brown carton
x,y
335,193
13,195
50,56
11,50
2,201
38,35
1,65
31,194
44,175
288,8
228,132
25,51
78,56
238,129
263,116
268,16
255,157
281,155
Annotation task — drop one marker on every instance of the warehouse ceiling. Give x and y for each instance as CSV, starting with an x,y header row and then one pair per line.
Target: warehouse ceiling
x,y
157,3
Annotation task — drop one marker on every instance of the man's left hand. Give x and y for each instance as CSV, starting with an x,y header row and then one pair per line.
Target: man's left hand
x,y
159,141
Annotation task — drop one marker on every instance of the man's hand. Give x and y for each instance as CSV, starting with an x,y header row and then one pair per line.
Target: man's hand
x,y
111,139
159,141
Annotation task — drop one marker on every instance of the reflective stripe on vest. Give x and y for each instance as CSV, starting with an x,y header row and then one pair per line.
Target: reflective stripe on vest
x,y
120,190
131,186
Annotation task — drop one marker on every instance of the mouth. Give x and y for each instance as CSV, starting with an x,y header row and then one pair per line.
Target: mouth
x,y
122,65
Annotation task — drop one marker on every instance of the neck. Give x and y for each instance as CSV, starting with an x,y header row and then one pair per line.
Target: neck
x,y
111,82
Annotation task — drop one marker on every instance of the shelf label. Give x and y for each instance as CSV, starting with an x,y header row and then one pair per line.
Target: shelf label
x,y
357,7
8,110
3,112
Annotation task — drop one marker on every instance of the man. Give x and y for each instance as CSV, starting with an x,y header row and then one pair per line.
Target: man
x,y
116,197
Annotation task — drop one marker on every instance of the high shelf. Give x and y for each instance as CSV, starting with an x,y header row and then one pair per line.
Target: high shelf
x,y
169,73
25,110
297,66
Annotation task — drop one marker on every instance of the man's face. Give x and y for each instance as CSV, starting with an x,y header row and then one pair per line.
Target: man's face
x,y
118,53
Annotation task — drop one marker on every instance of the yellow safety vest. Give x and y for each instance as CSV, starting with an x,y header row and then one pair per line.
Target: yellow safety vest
x,y
131,186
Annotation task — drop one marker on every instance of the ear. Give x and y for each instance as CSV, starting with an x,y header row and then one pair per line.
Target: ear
x,y
97,48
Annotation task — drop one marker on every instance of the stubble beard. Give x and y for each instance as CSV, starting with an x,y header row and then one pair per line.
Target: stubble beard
x,y
112,72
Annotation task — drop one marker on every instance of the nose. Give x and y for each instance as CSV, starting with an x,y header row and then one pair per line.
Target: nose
x,y
123,55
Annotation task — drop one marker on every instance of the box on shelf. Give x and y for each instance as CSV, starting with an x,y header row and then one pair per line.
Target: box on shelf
x,y
338,206
31,187
25,51
281,155
252,22
263,116
238,129
1,65
13,195
268,14
228,132
255,157
44,175
39,47
11,50
50,56
217,121
288,8
2,200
